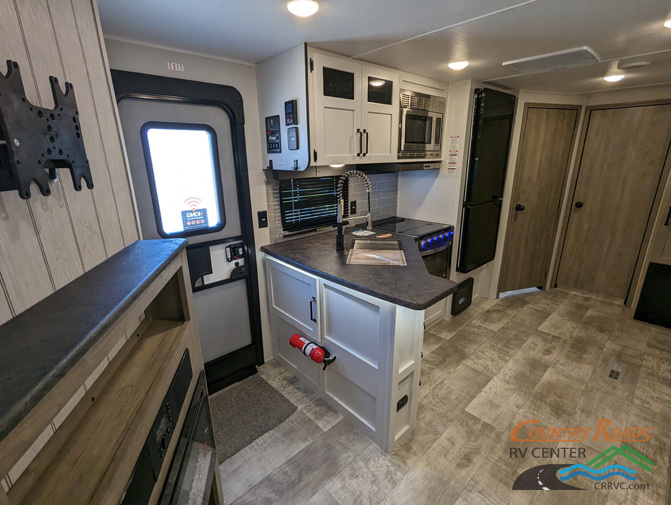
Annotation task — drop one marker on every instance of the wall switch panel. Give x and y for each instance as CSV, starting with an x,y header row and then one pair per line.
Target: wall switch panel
x,y
292,138
291,112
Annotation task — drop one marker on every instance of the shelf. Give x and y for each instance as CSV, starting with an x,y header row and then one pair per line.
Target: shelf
x,y
91,465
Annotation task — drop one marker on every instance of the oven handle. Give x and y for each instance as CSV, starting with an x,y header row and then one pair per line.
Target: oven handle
x,y
434,251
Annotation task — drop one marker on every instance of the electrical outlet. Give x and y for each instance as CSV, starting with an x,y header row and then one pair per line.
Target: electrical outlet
x,y
352,207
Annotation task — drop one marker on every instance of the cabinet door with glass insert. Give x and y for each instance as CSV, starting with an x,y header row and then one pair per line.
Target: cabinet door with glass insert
x,y
337,108
379,114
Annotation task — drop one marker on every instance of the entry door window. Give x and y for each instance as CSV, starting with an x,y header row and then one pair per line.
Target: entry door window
x,y
184,177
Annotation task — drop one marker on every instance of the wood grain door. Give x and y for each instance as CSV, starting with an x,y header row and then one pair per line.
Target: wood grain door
x,y
622,162
547,137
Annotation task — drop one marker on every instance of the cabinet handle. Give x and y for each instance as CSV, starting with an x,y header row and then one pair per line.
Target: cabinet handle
x,y
358,132
519,207
668,217
312,314
366,133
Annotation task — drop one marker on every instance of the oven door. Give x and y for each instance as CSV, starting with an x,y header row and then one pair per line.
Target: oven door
x,y
421,131
438,261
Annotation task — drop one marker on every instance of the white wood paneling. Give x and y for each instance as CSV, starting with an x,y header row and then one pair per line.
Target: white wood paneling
x,y
46,242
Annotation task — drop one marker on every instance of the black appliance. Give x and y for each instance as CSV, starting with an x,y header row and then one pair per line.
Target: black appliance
x,y
653,306
492,128
149,464
463,296
434,241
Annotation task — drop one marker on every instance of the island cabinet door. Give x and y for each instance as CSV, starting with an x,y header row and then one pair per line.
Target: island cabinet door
x,y
293,297
358,329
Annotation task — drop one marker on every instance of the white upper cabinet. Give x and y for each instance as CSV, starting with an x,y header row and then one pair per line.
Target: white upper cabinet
x,y
348,113
337,110
355,111
379,114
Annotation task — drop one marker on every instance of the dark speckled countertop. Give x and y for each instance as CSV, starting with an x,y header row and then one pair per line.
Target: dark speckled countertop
x,y
409,286
40,345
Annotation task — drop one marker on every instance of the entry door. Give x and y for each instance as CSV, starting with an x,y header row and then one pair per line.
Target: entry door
x,y
181,157
620,170
545,152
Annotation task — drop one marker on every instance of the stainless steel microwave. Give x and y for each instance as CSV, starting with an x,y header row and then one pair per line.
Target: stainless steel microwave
x,y
421,125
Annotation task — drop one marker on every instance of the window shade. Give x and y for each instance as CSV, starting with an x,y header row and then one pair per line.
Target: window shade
x,y
310,203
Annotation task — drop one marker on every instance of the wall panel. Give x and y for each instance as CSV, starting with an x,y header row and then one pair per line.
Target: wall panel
x,y
105,103
46,242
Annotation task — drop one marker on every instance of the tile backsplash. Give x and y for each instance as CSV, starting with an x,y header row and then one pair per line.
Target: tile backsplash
x,y
383,200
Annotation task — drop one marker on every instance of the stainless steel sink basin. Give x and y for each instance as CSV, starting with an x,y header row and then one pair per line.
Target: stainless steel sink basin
x,y
376,252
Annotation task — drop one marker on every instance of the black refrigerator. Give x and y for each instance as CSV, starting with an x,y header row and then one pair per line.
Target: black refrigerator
x,y
490,142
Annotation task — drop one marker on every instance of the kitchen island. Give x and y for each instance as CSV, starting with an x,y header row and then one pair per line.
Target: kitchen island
x,y
369,316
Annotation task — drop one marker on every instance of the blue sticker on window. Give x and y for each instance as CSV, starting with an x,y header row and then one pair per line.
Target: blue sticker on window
x,y
194,219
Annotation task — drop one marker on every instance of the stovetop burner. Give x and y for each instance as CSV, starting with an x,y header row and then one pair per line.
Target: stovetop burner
x,y
411,227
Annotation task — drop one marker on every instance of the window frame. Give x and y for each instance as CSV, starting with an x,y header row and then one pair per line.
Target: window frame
x,y
167,125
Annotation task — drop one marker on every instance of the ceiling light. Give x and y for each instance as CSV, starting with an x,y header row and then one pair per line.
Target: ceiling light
x,y
667,23
337,166
614,77
377,83
458,65
303,8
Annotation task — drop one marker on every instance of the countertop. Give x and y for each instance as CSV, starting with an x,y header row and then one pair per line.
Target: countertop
x,y
39,346
410,286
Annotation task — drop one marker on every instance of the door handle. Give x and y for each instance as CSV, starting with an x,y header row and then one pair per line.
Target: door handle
x,y
358,132
578,205
366,133
668,217
312,315
519,207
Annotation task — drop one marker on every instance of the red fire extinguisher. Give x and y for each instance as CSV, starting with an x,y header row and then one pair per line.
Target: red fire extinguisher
x,y
314,351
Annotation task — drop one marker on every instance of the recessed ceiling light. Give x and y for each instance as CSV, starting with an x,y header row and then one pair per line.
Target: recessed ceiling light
x,y
667,23
614,77
458,65
303,8
377,83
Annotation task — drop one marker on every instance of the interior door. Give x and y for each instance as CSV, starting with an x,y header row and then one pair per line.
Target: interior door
x,y
187,185
622,162
543,160
337,106
380,109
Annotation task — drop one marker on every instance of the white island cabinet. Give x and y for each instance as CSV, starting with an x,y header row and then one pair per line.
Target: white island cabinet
x,y
374,380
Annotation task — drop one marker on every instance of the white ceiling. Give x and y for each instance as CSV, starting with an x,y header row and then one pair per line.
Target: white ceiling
x,y
419,36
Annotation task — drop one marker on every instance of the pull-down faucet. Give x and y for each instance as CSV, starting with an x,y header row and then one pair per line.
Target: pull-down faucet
x,y
340,239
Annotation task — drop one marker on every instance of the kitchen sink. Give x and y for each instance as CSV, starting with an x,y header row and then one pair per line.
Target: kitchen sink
x,y
376,252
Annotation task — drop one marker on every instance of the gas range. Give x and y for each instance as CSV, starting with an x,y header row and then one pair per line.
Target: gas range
x,y
430,237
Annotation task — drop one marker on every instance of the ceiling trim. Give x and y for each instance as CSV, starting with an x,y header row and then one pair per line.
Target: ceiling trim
x,y
177,50
624,88
447,27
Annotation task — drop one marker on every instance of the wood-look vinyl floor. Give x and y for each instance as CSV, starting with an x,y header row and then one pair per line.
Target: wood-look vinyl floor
x,y
536,355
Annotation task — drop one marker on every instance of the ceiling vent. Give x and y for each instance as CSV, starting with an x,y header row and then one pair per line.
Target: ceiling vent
x,y
576,57
634,65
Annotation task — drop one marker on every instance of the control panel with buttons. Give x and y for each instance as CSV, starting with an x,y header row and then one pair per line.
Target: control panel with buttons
x,y
273,137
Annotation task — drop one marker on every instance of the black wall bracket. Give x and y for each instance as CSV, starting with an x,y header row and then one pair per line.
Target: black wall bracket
x,y
37,141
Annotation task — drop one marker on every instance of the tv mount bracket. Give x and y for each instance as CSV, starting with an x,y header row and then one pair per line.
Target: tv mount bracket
x,y
36,141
